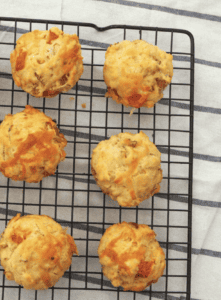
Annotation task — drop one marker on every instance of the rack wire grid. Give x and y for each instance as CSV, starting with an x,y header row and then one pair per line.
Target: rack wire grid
x,y
71,196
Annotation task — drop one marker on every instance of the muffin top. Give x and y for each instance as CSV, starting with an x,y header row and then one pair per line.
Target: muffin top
x,y
35,251
45,63
131,256
31,145
136,73
127,168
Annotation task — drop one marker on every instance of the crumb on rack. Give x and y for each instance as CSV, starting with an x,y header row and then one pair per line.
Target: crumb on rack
x,y
132,110
71,98
83,105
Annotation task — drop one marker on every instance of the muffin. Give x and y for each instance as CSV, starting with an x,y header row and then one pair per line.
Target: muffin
x,y
127,168
136,73
46,63
31,145
35,251
130,256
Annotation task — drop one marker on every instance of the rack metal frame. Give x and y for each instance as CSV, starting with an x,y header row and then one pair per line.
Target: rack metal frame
x,y
89,139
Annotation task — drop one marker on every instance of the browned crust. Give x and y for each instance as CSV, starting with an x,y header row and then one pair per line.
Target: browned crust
x,y
45,145
64,75
53,250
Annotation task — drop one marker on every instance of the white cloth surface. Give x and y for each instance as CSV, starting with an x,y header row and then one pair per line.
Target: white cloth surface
x,y
203,20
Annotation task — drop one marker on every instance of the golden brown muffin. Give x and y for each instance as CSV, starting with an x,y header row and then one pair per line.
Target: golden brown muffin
x,y
35,251
46,63
136,73
130,256
31,145
127,168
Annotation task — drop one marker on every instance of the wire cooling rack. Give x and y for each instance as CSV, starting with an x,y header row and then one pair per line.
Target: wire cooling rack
x,y
71,196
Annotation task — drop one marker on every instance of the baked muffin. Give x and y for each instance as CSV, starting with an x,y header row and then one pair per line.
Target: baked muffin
x,y
46,63
35,251
131,257
136,73
31,145
127,168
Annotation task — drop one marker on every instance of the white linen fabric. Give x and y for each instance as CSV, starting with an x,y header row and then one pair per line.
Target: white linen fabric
x,y
203,20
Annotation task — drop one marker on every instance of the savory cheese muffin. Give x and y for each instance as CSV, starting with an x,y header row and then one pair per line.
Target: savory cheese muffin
x,y
127,168
46,63
35,251
136,73
31,145
130,256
